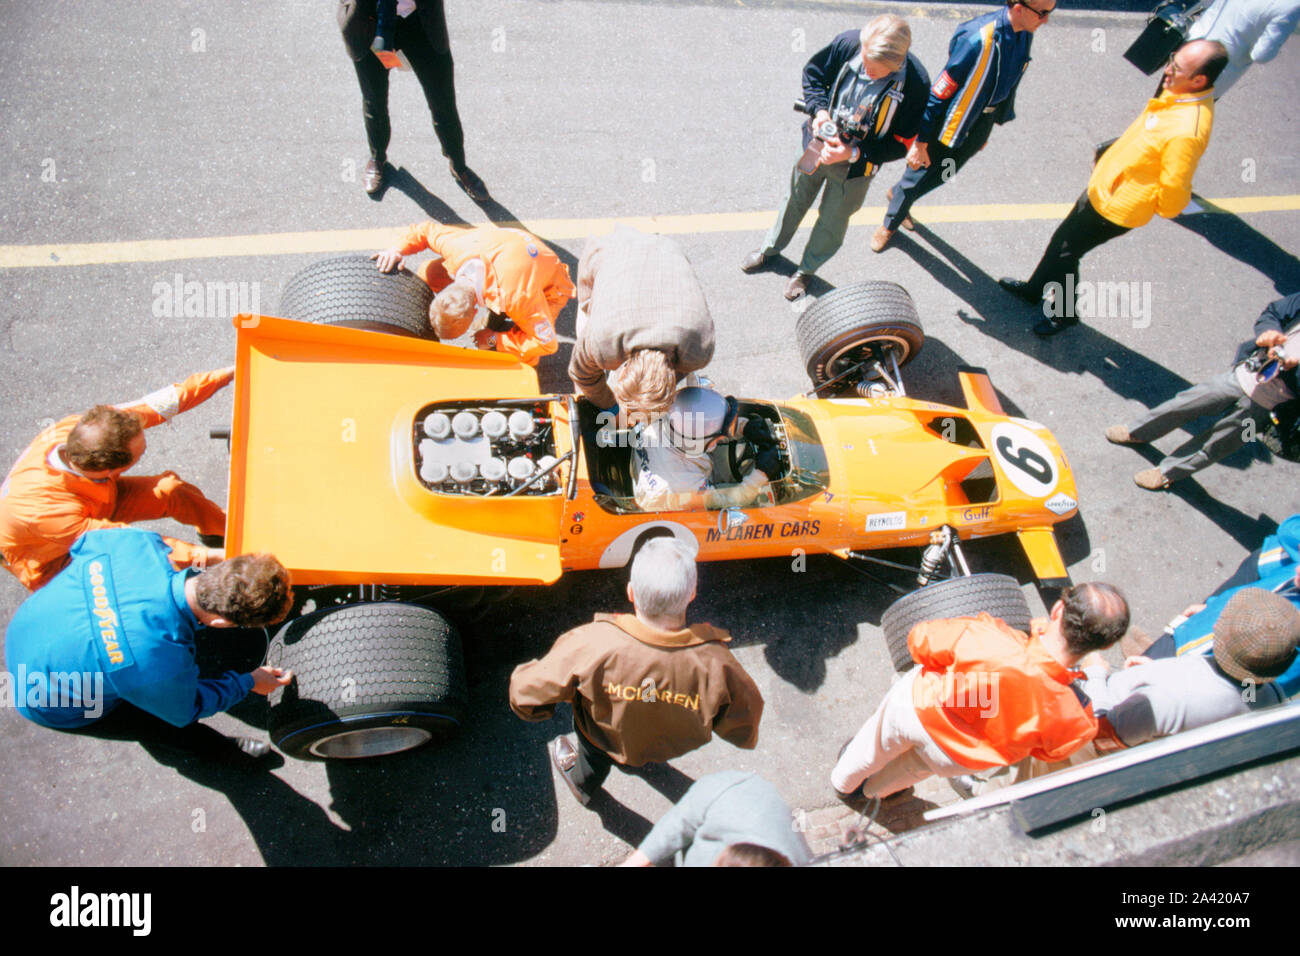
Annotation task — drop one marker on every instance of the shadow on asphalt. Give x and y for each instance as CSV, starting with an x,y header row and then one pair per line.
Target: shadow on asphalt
x,y
1231,235
1080,350
552,371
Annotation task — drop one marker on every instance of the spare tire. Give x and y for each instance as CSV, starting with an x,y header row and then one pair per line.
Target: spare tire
x,y
350,291
839,329
996,594
369,680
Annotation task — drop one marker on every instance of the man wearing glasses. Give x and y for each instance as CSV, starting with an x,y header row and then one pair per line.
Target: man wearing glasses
x,y
977,88
1148,170
1263,378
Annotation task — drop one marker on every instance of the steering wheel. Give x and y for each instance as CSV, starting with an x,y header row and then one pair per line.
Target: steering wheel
x,y
739,454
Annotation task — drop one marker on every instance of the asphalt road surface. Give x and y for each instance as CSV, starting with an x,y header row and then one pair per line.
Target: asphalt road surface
x,y
133,130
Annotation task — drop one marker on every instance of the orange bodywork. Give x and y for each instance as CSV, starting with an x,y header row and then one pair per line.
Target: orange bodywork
x,y
324,472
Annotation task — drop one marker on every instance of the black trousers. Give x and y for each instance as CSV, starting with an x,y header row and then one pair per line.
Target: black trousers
x,y
1083,230
944,164
435,73
593,766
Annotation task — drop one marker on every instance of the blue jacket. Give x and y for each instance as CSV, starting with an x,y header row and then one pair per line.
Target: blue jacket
x,y
1277,571
819,76
113,625
986,59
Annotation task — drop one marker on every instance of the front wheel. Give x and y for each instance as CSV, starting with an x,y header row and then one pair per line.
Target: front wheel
x,y
351,291
369,680
998,594
859,323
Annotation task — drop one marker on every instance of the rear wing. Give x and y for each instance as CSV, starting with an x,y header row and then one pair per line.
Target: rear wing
x,y
321,474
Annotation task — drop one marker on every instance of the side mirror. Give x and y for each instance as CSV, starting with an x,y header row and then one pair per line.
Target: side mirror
x,y
729,518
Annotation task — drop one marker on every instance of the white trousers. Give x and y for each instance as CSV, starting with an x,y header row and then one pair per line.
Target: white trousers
x,y
892,751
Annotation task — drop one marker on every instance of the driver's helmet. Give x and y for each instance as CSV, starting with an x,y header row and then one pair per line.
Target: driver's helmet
x,y
697,417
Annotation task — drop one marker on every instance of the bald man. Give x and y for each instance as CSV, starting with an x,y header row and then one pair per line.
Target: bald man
x,y
1147,171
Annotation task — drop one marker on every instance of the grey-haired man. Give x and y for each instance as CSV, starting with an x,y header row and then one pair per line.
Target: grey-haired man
x,y
644,687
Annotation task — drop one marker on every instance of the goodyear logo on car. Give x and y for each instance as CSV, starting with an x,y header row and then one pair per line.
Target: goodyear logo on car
x,y
761,532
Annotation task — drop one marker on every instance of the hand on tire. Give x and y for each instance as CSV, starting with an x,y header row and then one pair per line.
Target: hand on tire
x,y
388,260
267,679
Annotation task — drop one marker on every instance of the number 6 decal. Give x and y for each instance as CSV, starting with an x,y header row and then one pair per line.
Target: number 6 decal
x,y
1025,459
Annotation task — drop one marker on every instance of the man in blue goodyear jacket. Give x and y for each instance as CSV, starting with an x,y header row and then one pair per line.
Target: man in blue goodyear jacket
x,y
876,90
118,625
977,88
1275,567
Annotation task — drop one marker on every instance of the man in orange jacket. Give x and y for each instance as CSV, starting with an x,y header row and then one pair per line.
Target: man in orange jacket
x,y
984,695
68,482
487,269
1147,171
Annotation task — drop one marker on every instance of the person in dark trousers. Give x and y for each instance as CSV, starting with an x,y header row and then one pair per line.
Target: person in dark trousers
x,y
1144,173
1259,381
420,32
986,58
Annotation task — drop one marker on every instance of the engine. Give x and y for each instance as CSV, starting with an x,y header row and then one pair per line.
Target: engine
x,y
480,450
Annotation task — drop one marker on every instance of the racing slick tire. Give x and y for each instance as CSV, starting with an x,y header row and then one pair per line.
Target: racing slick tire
x,y
369,680
349,291
998,594
837,329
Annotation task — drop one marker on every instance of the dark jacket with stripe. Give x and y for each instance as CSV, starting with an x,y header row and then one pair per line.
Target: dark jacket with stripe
x,y
980,54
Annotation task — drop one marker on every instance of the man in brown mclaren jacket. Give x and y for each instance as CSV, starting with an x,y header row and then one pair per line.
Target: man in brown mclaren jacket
x,y
644,687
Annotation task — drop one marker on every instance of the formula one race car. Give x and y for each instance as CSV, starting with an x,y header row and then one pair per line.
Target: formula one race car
x,y
410,471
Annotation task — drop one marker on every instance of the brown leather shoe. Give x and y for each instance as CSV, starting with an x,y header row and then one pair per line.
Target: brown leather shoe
x,y
373,178
797,286
1119,435
564,757
1152,479
880,238
1136,642
753,262
469,181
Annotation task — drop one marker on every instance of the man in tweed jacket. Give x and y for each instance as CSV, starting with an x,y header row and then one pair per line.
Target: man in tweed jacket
x,y
641,314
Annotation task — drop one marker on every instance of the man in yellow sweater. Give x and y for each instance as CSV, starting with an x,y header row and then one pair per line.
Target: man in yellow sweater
x,y
1147,171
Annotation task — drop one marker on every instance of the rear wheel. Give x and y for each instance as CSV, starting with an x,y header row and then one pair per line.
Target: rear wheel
x,y
350,291
369,680
857,323
996,594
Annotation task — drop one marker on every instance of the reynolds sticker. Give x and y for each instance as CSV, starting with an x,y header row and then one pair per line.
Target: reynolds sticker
x,y
887,521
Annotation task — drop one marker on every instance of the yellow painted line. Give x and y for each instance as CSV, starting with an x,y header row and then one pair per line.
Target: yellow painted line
x,y
368,240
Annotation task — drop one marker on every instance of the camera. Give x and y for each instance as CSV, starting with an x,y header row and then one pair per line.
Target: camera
x,y
844,125
1264,367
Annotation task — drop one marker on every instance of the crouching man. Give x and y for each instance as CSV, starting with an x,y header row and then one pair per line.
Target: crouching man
x,y
120,617
984,695
70,480
1253,643
504,285
645,688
